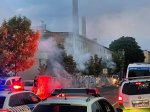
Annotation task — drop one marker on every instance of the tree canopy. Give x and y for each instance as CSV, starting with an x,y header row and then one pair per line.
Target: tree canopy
x,y
126,50
18,45
69,64
94,65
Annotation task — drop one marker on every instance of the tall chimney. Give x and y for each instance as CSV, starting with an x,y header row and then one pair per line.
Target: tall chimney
x,y
75,17
84,26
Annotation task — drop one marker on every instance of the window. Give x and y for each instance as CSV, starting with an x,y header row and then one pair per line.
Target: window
x,y
8,82
30,98
106,106
28,83
34,99
96,107
139,71
2,99
16,100
133,88
23,99
17,80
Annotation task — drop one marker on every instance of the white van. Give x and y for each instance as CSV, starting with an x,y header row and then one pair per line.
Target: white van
x,y
137,70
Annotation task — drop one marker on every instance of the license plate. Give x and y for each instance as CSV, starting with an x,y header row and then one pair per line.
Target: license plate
x,y
140,104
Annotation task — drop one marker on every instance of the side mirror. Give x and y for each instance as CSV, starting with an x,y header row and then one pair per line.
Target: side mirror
x,y
119,110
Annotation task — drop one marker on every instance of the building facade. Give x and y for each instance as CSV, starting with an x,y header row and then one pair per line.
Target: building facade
x,y
79,46
147,56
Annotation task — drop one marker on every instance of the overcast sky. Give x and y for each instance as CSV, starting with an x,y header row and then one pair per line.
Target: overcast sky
x,y
107,20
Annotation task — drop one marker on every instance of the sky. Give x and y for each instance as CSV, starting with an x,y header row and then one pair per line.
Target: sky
x,y
107,20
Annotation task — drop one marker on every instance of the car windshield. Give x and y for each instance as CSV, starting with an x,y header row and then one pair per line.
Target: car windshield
x,y
139,71
2,82
2,99
60,108
136,88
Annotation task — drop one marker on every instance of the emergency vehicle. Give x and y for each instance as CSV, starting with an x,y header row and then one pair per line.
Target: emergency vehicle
x,y
136,70
14,99
14,82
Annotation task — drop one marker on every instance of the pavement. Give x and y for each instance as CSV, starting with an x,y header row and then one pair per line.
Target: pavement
x,y
110,93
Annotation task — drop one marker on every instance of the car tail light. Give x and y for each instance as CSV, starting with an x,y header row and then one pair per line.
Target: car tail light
x,y
5,111
61,95
138,83
120,100
17,87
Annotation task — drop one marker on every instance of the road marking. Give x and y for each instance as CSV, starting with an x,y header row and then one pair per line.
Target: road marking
x,y
114,104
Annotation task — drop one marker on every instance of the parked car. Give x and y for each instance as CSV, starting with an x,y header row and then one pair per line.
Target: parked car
x,y
134,95
18,101
11,82
74,104
28,84
136,70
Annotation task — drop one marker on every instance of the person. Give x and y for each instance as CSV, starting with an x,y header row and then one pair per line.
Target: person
x,y
35,85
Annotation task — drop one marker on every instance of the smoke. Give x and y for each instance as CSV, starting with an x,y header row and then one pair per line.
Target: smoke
x,y
81,59
50,52
74,46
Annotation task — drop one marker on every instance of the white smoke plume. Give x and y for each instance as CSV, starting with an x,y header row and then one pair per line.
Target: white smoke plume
x,y
49,51
80,55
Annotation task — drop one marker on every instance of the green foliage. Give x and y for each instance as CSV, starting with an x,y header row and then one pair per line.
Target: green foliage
x,y
69,63
132,52
94,65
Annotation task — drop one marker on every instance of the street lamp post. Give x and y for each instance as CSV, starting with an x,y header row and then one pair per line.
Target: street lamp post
x,y
123,62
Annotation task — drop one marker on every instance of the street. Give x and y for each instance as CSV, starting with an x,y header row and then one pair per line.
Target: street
x,y
110,93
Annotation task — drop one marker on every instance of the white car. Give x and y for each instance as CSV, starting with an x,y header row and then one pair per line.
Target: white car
x,y
74,104
136,70
10,80
21,101
134,95
28,84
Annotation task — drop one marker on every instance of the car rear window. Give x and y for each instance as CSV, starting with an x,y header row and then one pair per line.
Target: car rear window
x,y
2,99
136,88
60,108
28,83
139,71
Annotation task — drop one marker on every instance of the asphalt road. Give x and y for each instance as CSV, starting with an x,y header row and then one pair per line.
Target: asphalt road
x,y
111,94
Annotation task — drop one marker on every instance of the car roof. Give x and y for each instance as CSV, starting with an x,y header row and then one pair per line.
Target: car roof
x,y
139,65
77,100
7,93
136,80
6,77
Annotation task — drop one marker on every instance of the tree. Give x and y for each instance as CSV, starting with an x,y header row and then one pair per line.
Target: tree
x,y
94,65
126,50
18,45
69,63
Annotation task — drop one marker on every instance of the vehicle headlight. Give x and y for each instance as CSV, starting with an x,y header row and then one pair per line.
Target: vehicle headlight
x,y
114,80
